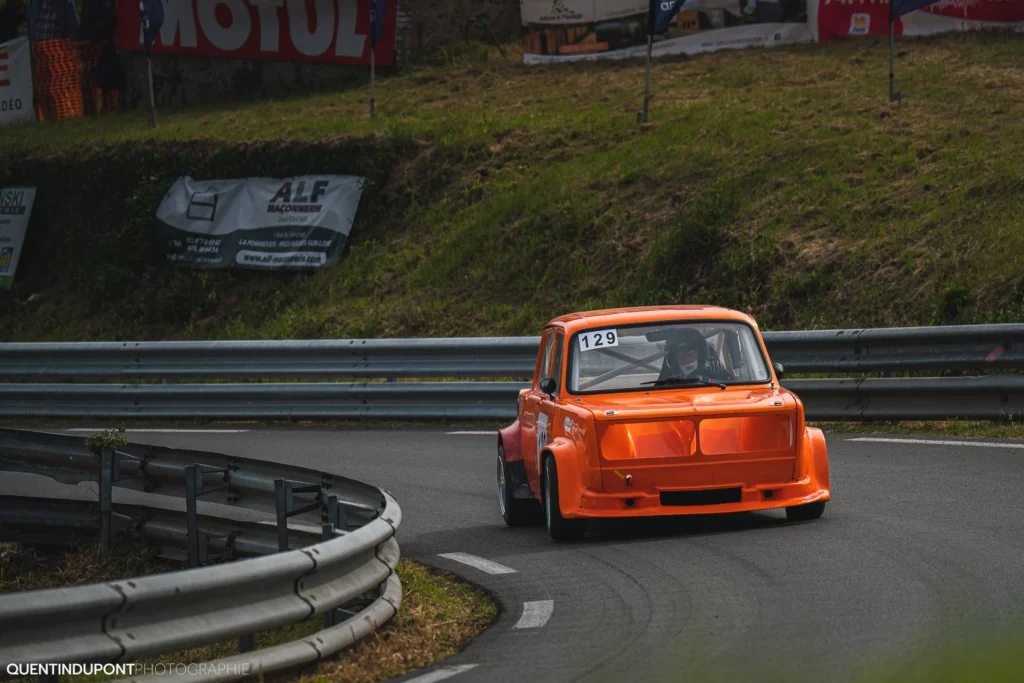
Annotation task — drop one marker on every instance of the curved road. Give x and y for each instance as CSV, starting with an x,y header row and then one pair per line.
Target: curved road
x,y
922,544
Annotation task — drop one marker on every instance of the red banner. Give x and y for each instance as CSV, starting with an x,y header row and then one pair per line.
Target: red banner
x,y
1008,11
852,18
335,31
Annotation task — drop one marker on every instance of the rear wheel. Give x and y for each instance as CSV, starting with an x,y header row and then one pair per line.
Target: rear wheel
x,y
515,511
804,513
560,528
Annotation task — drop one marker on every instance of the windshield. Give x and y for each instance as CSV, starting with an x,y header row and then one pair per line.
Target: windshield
x,y
665,355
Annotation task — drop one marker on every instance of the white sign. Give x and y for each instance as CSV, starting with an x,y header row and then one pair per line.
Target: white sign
x,y
259,223
15,210
15,81
598,339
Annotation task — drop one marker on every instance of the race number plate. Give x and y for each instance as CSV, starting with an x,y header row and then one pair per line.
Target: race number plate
x,y
599,339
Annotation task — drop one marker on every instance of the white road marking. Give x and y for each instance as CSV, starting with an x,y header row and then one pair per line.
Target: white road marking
x,y
163,431
535,614
493,432
442,673
935,442
478,563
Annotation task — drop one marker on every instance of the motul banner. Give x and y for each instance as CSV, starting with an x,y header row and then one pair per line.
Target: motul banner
x,y
336,31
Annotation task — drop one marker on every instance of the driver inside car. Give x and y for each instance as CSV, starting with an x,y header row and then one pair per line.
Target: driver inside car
x,y
687,356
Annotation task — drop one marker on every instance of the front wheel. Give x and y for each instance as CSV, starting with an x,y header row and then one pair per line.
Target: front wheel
x,y
560,528
804,513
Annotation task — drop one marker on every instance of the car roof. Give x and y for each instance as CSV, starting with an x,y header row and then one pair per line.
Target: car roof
x,y
646,314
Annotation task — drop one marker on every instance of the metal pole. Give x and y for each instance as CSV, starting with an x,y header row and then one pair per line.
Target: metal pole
x,y
647,81
106,494
281,503
893,95
152,95
373,77
193,481
247,643
487,27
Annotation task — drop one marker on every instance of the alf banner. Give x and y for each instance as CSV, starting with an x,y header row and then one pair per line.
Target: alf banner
x,y
291,224
333,31
563,30
15,81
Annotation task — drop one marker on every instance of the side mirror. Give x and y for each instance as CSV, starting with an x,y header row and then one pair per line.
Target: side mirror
x,y
548,385
780,371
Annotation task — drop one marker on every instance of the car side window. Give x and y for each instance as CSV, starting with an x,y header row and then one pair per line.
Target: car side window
x,y
556,370
545,362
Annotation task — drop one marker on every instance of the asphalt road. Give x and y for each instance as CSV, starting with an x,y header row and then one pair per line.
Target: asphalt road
x,y
921,546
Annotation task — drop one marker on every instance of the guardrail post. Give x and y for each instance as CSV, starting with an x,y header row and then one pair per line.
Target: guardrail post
x,y
281,491
247,643
328,534
106,494
193,489
337,514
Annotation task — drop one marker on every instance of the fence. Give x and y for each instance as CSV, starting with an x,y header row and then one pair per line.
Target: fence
x,y
894,350
329,550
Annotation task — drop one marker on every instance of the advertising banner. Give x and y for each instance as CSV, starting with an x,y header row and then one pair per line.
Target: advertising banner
x,y
334,31
262,223
852,18
15,81
563,30
15,210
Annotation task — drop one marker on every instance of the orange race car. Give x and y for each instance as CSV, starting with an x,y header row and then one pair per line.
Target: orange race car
x,y
665,410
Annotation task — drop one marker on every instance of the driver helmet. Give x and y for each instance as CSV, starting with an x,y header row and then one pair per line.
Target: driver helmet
x,y
687,351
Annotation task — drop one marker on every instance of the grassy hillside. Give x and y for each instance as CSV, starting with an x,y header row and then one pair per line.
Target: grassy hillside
x,y
780,182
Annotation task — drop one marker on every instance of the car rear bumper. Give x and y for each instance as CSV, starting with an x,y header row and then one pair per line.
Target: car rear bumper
x,y
699,501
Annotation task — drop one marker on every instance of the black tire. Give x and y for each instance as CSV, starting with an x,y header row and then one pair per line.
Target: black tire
x,y
515,511
805,513
560,528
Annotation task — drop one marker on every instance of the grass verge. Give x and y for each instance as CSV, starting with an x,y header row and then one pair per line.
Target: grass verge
x,y
439,615
780,182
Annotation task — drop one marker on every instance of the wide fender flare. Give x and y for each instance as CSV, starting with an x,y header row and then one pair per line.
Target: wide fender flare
x,y
570,487
818,458
511,438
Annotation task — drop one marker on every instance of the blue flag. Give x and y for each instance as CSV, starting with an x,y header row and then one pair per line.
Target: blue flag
x,y
378,17
152,20
897,8
660,13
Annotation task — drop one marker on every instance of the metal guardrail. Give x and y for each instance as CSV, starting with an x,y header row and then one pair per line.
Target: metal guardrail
x,y
955,349
331,566
963,347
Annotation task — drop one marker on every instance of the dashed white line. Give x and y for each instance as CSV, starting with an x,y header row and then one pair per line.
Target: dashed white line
x,y
493,432
442,673
163,431
936,442
535,614
478,563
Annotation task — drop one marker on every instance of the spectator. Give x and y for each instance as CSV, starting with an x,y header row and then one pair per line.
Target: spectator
x,y
51,19
12,15
99,19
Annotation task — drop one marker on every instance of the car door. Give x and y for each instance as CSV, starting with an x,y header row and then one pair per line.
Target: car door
x,y
534,437
546,405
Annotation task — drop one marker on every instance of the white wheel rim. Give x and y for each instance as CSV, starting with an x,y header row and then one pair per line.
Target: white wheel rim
x,y
501,484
